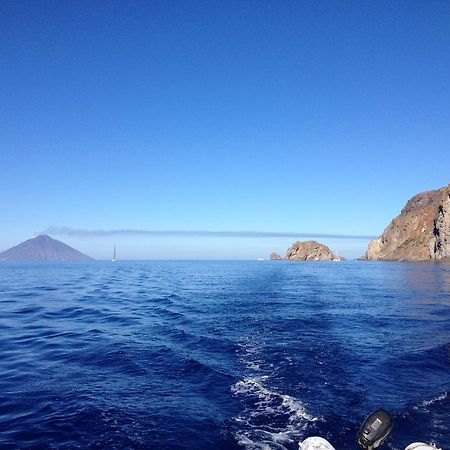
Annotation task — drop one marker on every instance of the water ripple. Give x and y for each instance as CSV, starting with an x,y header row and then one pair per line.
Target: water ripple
x,y
221,355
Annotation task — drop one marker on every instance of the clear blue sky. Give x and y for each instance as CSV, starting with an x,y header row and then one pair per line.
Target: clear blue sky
x,y
321,117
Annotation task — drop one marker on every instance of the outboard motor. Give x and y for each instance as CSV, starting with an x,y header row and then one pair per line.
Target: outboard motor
x,y
371,435
375,430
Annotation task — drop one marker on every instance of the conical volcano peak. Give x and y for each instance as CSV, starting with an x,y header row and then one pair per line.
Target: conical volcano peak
x,y
43,247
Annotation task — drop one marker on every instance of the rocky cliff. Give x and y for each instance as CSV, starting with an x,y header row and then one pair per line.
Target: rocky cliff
x,y
44,248
420,232
309,251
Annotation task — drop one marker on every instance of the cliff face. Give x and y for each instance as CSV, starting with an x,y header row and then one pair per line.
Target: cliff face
x,y
420,232
42,248
309,251
441,230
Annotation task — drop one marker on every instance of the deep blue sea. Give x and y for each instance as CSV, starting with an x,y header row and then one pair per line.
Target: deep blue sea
x,y
221,355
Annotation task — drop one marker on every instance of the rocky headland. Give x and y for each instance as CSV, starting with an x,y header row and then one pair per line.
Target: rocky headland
x,y
42,248
420,232
307,251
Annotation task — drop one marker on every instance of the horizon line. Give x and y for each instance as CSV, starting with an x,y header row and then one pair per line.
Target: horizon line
x,y
79,232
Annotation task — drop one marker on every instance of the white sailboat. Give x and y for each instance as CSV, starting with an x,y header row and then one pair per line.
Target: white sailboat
x,y
114,255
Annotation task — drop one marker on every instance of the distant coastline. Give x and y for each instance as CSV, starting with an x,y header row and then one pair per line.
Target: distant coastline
x,y
421,232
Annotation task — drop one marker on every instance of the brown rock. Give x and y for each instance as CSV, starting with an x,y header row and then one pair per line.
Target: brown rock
x,y
441,230
309,251
420,232
275,256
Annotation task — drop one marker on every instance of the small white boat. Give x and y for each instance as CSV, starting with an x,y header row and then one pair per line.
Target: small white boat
x,y
114,255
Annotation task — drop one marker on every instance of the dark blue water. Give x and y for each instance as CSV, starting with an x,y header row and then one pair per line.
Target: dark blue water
x,y
221,355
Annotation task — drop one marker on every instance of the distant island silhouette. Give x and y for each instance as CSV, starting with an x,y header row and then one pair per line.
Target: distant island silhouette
x,y
43,248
